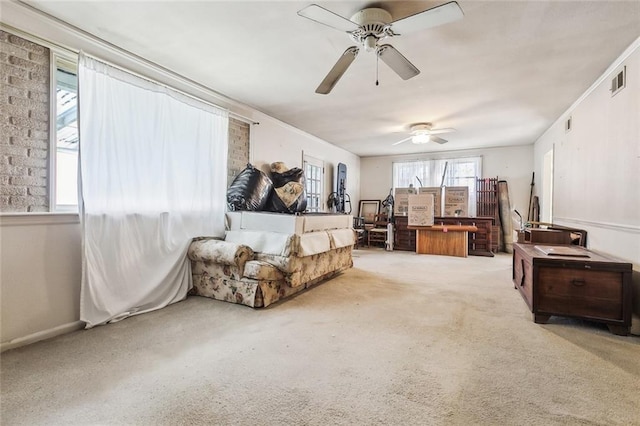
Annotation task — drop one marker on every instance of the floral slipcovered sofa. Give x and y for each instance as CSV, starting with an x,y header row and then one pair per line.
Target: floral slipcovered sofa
x,y
265,258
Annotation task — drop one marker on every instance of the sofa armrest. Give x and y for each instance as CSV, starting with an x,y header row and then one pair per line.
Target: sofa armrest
x,y
211,250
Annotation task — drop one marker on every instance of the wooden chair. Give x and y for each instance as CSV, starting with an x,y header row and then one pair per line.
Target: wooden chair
x,y
378,234
359,230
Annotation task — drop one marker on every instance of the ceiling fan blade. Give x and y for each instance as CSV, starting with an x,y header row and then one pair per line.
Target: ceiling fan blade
x,y
326,17
439,131
402,141
429,18
338,70
438,140
397,62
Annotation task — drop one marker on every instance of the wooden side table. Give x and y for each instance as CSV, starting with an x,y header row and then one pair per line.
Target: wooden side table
x,y
447,240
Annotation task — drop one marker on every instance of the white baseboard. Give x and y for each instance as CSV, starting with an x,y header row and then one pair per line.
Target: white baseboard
x,y
41,335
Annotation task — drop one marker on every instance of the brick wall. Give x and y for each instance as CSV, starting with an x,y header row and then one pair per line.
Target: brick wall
x,y
238,156
24,125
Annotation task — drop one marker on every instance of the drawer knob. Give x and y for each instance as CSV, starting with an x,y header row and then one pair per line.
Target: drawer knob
x,y
578,282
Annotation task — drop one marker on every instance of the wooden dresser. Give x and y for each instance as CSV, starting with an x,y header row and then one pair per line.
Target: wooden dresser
x,y
596,288
405,239
480,241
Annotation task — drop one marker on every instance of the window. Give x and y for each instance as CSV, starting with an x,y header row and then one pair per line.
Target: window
x,y
314,177
429,173
64,164
40,118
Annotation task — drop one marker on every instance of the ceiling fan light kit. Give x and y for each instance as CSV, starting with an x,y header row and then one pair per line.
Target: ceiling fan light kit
x,y
421,138
373,24
424,133
369,26
421,133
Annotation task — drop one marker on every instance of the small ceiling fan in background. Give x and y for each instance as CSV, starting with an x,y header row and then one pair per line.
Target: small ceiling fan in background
x,y
369,26
424,133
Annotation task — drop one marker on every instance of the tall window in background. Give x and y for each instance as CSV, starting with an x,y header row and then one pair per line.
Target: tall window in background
x,y
459,172
64,164
314,177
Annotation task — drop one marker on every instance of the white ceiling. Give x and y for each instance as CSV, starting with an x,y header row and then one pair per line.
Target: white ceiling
x,y
500,76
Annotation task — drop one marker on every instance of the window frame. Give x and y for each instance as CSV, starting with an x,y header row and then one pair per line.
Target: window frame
x,y
70,55
67,61
319,164
435,167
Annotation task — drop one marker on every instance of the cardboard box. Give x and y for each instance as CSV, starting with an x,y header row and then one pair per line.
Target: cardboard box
x,y
456,201
401,200
437,198
421,210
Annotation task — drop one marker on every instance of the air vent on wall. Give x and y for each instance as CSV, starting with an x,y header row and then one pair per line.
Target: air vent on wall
x,y
619,81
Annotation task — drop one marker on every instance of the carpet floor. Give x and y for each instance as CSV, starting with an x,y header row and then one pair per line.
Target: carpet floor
x,y
400,339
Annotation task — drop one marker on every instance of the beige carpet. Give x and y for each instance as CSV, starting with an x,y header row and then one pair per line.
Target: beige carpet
x,y
400,339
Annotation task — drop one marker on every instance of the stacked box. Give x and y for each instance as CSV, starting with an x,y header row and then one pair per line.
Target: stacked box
x,y
456,201
421,210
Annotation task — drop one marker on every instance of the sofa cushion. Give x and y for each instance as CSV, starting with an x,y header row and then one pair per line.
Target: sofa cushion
x,y
262,271
217,270
299,270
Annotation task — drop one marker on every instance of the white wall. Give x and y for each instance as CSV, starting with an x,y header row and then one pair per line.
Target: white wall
x,y
513,164
39,276
596,184
273,141
41,254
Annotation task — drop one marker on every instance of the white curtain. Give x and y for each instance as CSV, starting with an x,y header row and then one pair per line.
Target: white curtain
x,y
460,172
153,176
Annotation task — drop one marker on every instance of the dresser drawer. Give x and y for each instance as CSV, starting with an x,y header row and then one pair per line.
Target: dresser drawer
x,y
580,283
583,293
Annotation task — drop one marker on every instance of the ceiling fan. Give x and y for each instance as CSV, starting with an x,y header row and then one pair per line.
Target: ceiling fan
x,y
424,133
369,26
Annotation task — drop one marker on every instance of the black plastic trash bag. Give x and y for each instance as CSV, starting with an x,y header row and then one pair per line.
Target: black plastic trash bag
x,y
288,195
289,198
281,179
250,190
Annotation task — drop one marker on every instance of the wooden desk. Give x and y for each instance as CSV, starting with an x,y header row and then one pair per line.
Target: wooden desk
x,y
447,240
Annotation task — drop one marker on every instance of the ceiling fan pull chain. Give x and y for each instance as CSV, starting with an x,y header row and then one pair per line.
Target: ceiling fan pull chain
x,y
377,62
